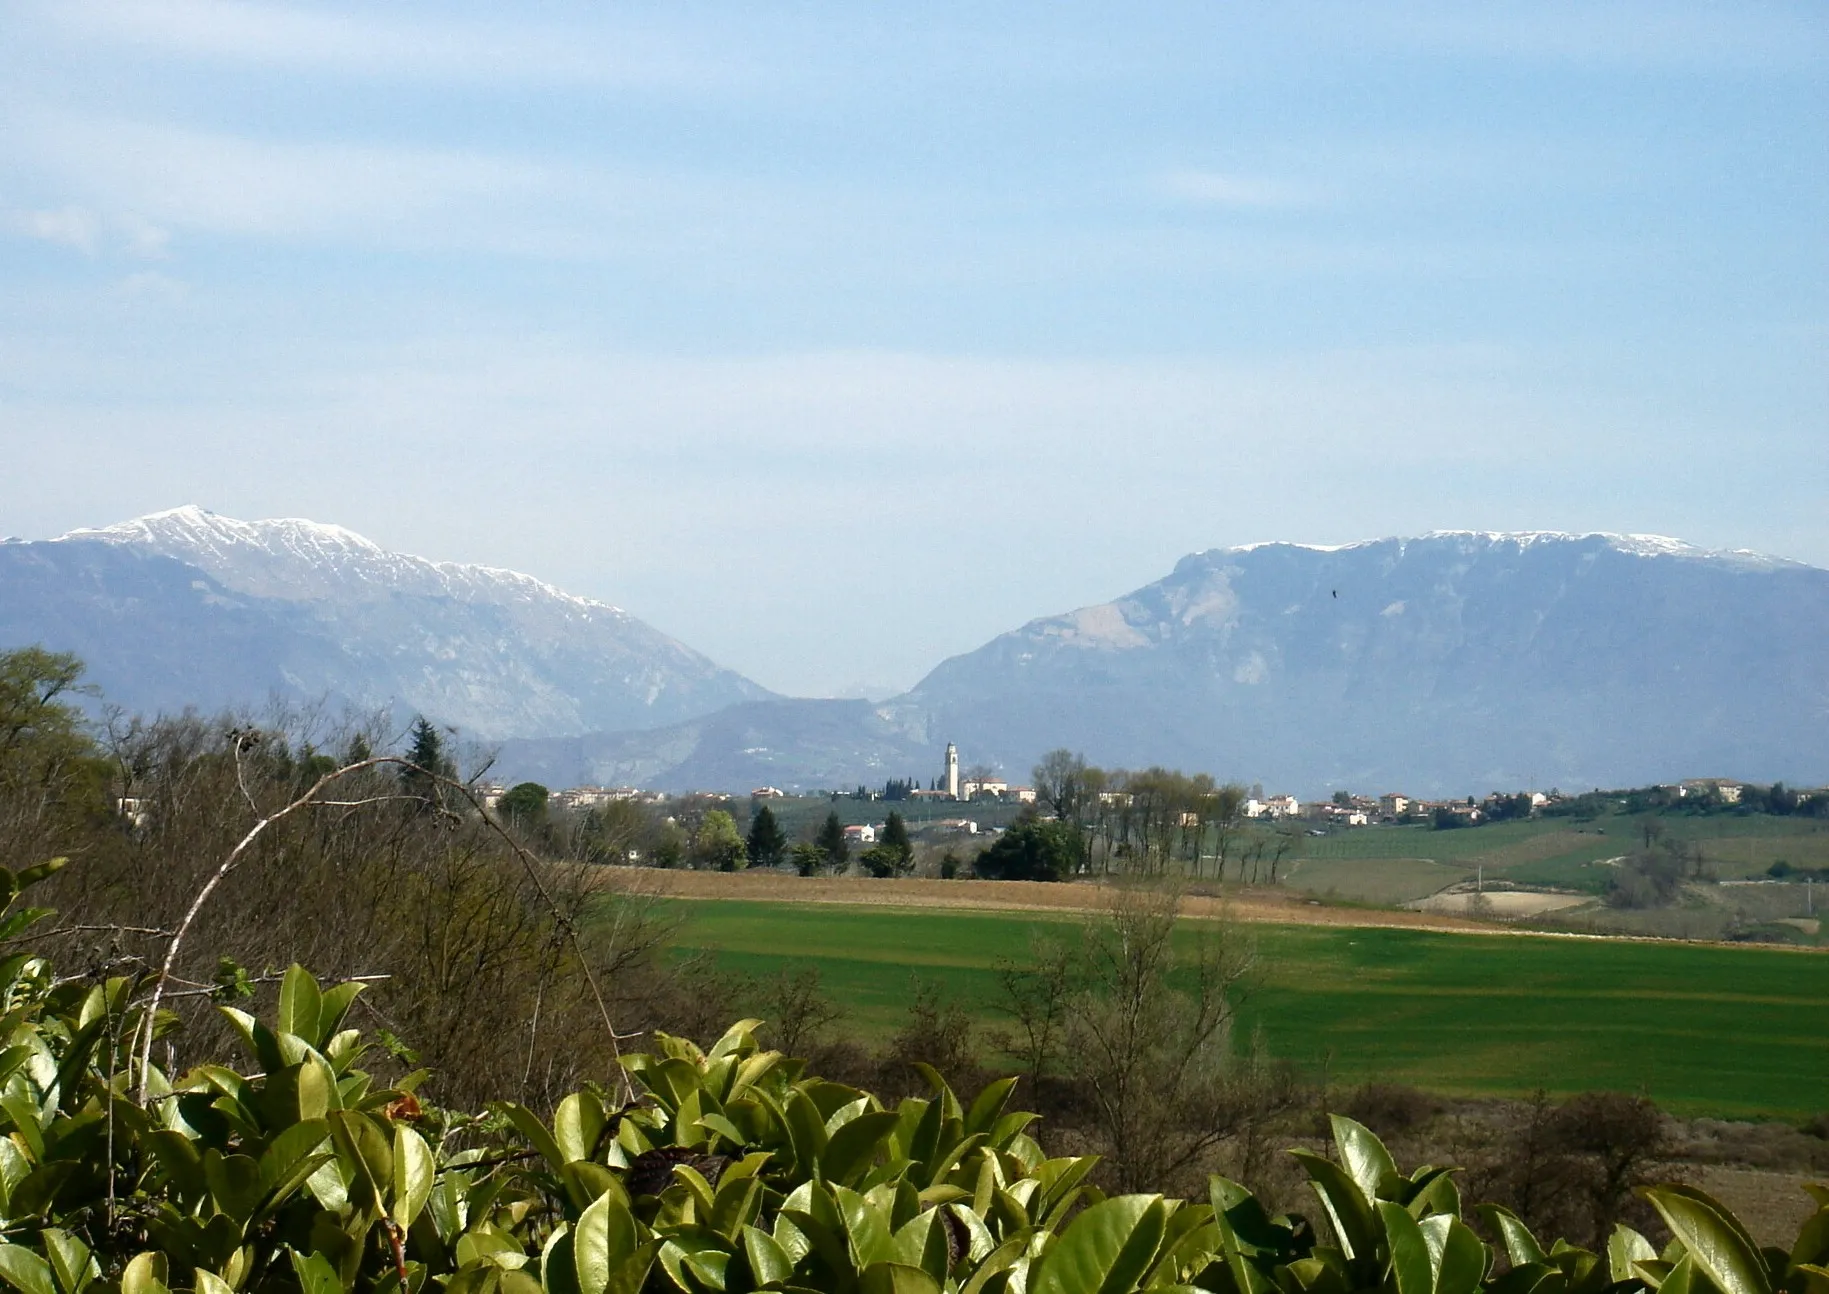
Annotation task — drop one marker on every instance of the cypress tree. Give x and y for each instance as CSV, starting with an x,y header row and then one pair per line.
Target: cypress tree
x,y
895,839
831,841
767,844
427,750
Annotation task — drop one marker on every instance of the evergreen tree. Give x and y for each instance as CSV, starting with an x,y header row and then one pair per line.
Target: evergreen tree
x,y
831,841
525,805
427,751
767,843
895,840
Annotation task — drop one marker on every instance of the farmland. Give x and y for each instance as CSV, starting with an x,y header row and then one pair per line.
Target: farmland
x,y
1702,1029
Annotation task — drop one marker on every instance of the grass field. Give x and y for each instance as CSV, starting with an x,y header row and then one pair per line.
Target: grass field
x,y
1730,1031
1395,864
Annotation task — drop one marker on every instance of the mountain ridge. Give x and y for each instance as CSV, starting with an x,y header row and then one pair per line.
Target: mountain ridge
x,y
1447,662
317,611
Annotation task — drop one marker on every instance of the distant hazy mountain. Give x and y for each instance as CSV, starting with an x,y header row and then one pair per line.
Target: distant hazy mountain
x,y
189,608
1451,663
1454,663
792,744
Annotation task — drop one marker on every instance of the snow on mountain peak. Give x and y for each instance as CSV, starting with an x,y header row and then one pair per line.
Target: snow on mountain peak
x,y
1638,545
297,559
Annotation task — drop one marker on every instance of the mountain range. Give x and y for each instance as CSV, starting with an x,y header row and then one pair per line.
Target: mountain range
x,y
189,608
1450,663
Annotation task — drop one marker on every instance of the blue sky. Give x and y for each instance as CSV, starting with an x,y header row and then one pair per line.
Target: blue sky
x,y
835,339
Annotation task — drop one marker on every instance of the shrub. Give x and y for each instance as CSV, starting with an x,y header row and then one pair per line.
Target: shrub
x,y
719,1170
1389,1108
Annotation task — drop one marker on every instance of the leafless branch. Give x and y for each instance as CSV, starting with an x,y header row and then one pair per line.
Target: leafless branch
x,y
311,799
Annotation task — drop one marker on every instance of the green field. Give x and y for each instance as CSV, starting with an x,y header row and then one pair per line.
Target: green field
x,y
1395,864
1703,1029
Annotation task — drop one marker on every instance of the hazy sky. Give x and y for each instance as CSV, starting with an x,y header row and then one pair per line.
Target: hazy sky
x,y
836,338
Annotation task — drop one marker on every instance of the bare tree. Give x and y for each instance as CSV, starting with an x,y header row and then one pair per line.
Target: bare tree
x,y
1060,783
797,1010
1150,1033
1038,996
243,841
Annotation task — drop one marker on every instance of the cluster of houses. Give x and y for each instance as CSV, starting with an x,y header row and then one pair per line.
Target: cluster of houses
x,y
1341,811
578,797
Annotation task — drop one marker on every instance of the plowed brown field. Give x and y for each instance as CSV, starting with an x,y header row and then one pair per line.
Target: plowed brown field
x,y
1010,896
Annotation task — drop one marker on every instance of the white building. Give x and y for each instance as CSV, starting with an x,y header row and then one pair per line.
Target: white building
x,y
1277,806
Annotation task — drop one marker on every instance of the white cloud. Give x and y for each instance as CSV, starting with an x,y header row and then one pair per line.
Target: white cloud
x,y
144,239
403,197
612,49
232,184
1221,189
71,226
151,285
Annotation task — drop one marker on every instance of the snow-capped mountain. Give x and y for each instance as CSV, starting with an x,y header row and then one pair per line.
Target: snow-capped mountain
x,y
305,561
1453,663
189,608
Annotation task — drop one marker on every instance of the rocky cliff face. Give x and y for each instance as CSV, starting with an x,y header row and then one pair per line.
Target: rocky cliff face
x,y
1446,664
189,608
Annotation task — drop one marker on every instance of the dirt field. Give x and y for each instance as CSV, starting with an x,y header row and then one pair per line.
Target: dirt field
x,y
1009,896
1773,1205
1502,903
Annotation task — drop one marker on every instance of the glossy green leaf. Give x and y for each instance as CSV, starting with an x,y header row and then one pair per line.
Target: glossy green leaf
x,y
987,1107
1812,1243
72,1263
528,1124
1346,1205
866,1228
558,1265
1411,1264
897,1278
1364,1157
769,1263
301,1004
149,1273
694,1262
1682,1278
1718,1245
1462,1259
315,1274
366,1155
291,1148
848,1155
25,1271
333,1006
605,1237
1625,1247
1521,1246
415,1170
1105,1250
